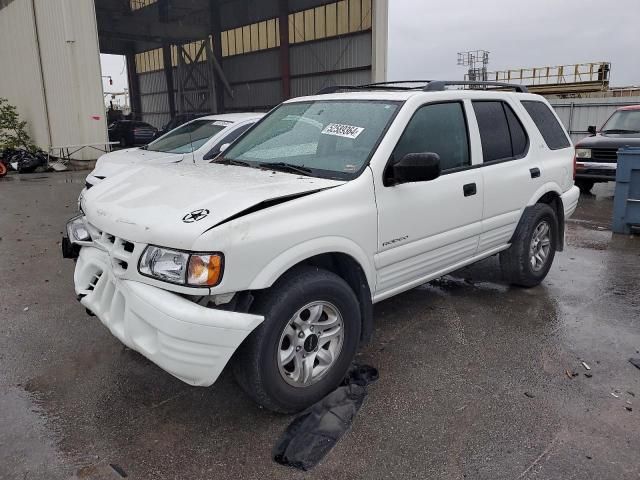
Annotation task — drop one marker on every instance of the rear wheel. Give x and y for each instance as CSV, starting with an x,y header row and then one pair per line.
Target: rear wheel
x,y
306,343
585,186
528,260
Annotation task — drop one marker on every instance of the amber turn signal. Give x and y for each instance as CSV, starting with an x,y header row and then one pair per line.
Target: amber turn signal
x,y
205,270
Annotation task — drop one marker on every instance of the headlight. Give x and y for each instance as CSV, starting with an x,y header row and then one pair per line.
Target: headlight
x,y
77,230
192,269
583,153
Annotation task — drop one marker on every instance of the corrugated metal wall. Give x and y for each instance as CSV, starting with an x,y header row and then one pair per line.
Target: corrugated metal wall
x,y
578,113
255,77
69,66
154,99
336,61
255,80
325,49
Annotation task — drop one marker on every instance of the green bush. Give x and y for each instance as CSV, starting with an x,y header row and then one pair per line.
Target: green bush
x,y
13,132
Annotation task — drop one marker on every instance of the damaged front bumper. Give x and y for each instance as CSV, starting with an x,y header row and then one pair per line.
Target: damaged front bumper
x,y
191,342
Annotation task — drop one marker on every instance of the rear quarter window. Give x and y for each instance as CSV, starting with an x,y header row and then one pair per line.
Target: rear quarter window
x,y
547,123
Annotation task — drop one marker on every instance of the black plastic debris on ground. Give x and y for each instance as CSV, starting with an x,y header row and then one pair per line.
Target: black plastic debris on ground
x,y
315,431
635,362
119,470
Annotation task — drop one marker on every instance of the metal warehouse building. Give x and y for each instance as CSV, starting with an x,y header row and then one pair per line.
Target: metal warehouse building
x,y
183,56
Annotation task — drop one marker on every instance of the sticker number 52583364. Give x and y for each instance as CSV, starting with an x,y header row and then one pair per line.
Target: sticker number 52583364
x,y
339,130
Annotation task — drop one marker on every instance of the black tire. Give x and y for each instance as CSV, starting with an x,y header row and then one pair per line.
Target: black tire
x,y
123,142
255,364
585,186
3,169
516,261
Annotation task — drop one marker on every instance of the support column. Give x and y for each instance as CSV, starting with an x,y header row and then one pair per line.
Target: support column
x,y
285,70
134,85
214,17
163,14
168,74
380,33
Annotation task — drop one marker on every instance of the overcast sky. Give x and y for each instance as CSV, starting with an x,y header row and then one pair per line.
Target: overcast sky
x,y
425,36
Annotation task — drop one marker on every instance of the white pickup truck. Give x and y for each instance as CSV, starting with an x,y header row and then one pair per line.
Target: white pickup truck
x,y
271,257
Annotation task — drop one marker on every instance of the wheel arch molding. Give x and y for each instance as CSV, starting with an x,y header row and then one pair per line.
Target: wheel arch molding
x,y
349,264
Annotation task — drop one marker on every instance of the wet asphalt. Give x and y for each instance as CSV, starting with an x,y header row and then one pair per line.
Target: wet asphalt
x,y
475,376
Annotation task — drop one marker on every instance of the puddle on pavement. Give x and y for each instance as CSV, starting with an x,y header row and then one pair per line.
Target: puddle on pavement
x,y
588,235
50,178
29,444
450,283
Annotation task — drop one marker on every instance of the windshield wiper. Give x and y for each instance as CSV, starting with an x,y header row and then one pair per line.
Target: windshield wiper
x,y
230,161
287,167
620,130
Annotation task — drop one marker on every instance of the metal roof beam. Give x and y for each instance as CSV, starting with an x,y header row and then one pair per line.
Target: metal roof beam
x,y
238,13
130,28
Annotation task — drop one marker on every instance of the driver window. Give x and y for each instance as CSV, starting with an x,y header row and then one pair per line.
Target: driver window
x,y
438,128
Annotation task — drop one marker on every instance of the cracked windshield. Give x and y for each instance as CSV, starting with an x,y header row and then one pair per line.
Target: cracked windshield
x,y
332,139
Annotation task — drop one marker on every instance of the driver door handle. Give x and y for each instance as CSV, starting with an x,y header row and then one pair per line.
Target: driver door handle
x,y
469,189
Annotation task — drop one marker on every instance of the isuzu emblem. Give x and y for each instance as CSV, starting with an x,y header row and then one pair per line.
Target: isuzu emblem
x,y
195,216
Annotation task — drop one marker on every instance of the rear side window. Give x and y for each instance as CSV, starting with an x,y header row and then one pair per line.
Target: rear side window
x,y
519,140
503,136
438,128
547,123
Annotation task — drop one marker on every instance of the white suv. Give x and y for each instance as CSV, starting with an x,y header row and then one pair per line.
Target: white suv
x,y
273,255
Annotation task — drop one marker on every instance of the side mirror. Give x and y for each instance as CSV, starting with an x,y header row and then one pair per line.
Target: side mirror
x,y
211,154
214,153
415,167
592,129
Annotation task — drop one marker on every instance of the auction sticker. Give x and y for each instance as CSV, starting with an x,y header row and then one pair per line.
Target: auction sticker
x,y
222,123
339,130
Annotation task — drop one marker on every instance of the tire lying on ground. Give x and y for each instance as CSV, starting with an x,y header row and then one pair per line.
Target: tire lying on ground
x,y
528,260
306,343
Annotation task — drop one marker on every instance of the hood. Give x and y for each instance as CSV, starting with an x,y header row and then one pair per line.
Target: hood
x,y
121,160
137,155
610,140
173,205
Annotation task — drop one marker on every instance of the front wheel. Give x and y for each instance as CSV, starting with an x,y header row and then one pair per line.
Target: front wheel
x,y
528,260
306,343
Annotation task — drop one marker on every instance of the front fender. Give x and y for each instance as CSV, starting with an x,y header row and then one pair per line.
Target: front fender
x,y
292,256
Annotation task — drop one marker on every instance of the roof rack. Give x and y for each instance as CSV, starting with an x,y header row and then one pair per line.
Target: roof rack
x,y
439,85
426,86
368,86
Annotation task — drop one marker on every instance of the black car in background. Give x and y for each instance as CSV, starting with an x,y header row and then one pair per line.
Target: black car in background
x,y
129,133
597,155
